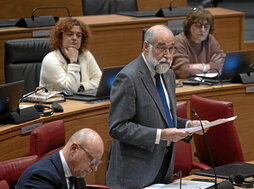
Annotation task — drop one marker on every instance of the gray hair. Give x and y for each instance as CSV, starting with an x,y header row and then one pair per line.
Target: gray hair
x,y
149,34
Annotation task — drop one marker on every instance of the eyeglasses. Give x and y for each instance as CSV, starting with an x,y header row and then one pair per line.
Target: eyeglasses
x,y
93,161
200,25
163,49
72,34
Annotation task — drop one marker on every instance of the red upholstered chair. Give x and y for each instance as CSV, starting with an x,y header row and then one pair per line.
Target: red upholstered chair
x,y
96,186
10,170
183,154
4,184
47,138
223,139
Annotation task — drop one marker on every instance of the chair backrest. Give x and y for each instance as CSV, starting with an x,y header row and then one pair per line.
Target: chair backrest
x,y
4,184
23,58
47,138
183,154
96,7
10,170
223,139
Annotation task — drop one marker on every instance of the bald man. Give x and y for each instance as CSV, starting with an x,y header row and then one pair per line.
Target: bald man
x,y
80,156
143,133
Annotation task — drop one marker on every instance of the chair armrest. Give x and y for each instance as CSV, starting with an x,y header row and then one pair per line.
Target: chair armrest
x,y
200,166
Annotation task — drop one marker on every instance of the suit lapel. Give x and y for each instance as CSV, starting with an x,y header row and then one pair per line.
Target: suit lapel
x,y
150,86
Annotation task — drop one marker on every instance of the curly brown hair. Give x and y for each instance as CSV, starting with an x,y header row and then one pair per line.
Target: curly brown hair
x,y
65,25
199,14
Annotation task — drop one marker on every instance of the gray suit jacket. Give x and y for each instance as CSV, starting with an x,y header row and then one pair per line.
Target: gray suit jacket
x,y
136,113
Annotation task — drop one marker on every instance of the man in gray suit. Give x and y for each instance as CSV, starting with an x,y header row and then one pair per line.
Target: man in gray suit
x,y
143,134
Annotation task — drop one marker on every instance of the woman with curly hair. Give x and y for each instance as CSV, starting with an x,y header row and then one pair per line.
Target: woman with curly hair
x,y
70,65
197,50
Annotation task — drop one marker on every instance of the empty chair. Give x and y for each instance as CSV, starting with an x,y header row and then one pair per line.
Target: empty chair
x,y
10,170
223,139
183,154
47,138
22,60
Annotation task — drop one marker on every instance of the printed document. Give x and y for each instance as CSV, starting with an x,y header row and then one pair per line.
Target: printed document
x,y
210,124
186,184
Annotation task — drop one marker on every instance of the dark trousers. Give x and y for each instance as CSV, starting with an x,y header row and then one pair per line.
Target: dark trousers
x,y
164,166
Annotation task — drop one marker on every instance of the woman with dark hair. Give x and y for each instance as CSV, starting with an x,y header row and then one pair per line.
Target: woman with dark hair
x,y
197,50
70,65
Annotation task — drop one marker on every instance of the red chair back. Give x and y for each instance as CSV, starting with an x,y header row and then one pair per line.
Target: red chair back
x,y
47,138
223,139
4,184
10,170
183,154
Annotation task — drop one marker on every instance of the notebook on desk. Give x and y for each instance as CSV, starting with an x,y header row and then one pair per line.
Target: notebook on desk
x,y
103,91
224,171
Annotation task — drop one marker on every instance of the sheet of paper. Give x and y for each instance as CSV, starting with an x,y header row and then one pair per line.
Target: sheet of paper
x,y
211,124
207,75
186,184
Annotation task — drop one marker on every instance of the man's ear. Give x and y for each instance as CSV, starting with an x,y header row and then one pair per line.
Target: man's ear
x,y
146,47
73,147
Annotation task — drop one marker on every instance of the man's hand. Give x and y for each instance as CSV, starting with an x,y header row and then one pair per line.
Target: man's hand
x,y
173,134
196,123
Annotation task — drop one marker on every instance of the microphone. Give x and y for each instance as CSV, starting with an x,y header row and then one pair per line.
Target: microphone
x,y
224,184
40,21
25,114
251,67
170,4
43,8
32,92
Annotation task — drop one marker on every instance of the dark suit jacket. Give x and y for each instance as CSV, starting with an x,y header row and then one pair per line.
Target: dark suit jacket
x,y
136,113
47,173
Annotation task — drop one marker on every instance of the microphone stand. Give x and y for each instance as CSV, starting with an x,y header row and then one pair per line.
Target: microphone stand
x,y
170,5
225,184
32,92
208,147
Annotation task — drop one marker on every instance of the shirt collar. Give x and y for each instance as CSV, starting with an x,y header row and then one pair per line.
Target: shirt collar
x,y
66,168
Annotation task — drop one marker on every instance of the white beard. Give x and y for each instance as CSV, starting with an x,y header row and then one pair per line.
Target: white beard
x,y
159,67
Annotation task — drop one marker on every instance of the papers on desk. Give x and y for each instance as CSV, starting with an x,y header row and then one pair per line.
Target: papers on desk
x,y
186,184
211,124
207,75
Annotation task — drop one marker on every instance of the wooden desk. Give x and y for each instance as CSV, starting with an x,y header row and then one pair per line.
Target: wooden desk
x,y
117,39
78,115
